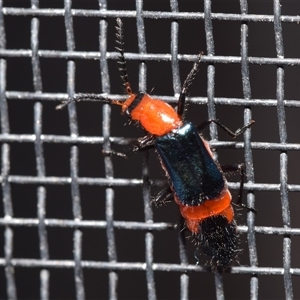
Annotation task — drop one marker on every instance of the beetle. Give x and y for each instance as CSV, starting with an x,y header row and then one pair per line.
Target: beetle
x,y
196,181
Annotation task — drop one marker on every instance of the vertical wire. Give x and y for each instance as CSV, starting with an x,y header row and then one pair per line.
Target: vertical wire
x,y
141,45
212,109
149,239
109,172
210,69
283,154
184,278
174,50
39,152
74,154
41,196
35,60
11,288
248,150
219,285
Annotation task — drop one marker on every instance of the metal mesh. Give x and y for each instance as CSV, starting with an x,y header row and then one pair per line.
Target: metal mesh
x,y
102,240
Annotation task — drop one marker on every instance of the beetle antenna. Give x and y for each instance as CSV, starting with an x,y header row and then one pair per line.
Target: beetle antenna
x,y
80,97
191,76
122,61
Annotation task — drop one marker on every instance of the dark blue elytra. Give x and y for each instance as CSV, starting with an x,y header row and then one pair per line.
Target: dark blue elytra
x,y
193,174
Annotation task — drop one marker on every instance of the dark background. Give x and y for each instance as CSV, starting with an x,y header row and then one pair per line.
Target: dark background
x,y
128,200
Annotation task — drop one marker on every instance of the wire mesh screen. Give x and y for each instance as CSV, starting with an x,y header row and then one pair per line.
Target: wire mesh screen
x,y
79,225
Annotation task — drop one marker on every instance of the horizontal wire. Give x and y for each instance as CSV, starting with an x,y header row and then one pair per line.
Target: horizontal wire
x,y
49,12
141,266
133,182
94,55
158,226
65,139
18,95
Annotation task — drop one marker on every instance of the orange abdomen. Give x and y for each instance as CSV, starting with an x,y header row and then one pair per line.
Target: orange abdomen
x,y
195,214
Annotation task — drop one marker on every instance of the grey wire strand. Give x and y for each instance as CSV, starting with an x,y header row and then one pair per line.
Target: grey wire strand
x,y
74,153
109,172
140,266
132,182
149,57
184,278
212,109
5,169
283,155
210,70
60,139
219,285
12,95
78,272
41,198
36,71
149,238
248,150
141,45
40,162
44,252
147,14
133,225
80,292
174,50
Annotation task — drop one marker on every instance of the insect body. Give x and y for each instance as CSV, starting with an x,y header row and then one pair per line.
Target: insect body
x,y
196,181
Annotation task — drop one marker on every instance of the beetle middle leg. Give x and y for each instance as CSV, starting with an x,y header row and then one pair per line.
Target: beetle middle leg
x,y
163,197
144,143
238,132
241,169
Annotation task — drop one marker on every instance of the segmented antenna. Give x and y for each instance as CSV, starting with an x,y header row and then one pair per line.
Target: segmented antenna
x,y
80,97
191,76
122,61
188,81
